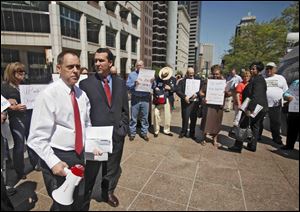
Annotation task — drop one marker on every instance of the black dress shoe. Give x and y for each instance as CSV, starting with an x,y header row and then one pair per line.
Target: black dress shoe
x,y
168,134
278,142
250,149
112,200
235,149
181,135
22,177
286,148
145,137
131,138
155,135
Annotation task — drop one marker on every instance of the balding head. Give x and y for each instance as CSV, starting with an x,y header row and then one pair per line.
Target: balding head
x,y
190,73
113,70
139,65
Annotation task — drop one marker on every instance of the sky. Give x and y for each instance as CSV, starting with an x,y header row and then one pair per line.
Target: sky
x,y
219,19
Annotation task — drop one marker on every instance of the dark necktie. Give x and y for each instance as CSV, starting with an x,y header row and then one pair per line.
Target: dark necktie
x,y
107,91
78,129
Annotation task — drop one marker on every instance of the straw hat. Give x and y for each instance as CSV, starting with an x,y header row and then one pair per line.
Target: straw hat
x,y
165,73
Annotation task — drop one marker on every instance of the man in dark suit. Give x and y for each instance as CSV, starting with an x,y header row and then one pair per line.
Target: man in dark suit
x,y
189,105
109,107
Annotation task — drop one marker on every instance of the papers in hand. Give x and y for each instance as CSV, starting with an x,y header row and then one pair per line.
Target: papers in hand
x,y
257,109
245,104
99,138
4,103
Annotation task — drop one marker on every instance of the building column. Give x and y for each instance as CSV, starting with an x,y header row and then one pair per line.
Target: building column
x,y
55,32
171,37
128,48
118,47
83,41
117,12
129,19
102,36
138,49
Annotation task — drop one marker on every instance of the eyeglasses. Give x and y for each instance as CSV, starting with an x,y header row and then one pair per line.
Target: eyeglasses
x,y
20,72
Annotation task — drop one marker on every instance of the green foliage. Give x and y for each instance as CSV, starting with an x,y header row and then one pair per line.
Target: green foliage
x,y
262,41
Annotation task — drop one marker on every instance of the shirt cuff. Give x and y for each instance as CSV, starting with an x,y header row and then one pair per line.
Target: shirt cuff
x,y
52,161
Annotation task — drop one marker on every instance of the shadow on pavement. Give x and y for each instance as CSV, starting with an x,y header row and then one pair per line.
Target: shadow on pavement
x,y
291,154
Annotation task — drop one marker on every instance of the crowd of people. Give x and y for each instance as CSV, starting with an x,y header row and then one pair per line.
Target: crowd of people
x,y
55,130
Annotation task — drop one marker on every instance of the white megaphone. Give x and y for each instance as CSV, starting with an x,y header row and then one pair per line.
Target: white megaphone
x,y
64,194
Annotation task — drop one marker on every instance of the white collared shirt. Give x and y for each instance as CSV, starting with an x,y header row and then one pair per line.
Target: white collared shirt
x,y
52,122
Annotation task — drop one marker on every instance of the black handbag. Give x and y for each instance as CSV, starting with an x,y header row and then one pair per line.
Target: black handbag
x,y
241,134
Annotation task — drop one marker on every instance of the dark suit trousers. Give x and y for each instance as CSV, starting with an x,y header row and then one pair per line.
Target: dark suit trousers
x,y
53,182
111,172
189,112
293,129
275,122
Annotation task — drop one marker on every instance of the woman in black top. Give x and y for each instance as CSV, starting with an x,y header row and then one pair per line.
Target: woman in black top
x,y
13,76
256,90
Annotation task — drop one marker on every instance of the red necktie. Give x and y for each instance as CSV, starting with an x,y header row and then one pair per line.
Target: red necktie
x,y
78,129
107,91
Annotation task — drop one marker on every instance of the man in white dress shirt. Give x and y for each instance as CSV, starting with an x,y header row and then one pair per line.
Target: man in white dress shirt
x,y
56,124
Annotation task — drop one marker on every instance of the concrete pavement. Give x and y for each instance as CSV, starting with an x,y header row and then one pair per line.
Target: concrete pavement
x,y
168,173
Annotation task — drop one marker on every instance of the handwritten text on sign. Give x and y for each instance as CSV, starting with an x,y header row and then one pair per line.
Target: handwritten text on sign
x,y
215,92
144,79
29,93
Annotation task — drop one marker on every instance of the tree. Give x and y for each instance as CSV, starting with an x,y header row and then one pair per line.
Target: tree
x,y
262,41
291,17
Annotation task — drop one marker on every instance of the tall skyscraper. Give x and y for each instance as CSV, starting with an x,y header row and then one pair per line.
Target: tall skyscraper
x,y
194,10
146,32
160,24
244,22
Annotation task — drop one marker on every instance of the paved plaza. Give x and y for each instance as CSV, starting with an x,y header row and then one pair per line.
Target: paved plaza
x,y
168,173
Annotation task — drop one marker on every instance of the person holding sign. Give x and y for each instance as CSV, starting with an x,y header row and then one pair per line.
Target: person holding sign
x,y
190,101
163,89
57,132
14,75
256,91
139,101
292,96
213,107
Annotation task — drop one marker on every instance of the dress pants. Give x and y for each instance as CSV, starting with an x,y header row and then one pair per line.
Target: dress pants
x,y
102,177
53,182
189,112
293,129
275,122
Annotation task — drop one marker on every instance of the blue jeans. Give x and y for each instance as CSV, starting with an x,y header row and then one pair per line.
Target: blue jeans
x,y
139,104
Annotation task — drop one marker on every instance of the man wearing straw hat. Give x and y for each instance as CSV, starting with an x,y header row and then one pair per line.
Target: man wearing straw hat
x,y
163,89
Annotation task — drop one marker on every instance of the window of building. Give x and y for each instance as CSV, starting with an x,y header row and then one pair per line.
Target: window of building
x,y
8,56
134,44
110,37
93,28
38,71
25,16
69,20
123,40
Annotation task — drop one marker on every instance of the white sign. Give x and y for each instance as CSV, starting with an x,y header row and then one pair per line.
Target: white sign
x,y
4,103
192,86
215,91
82,77
99,137
28,94
245,104
144,79
294,104
55,77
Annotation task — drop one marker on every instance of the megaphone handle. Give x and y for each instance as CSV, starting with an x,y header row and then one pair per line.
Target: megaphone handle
x,y
68,171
